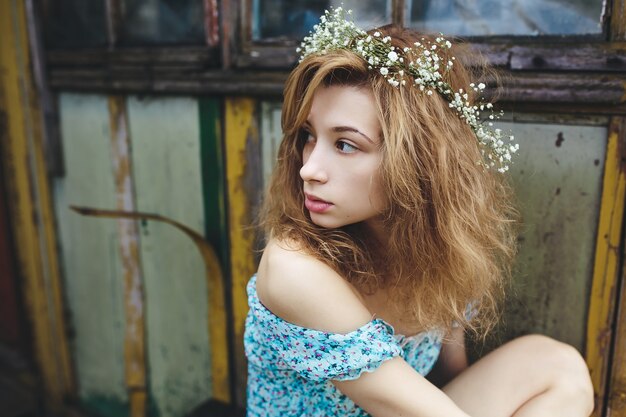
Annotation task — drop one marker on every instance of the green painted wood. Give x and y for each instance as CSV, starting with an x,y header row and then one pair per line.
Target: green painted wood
x,y
90,254
167,171
557,178
213,174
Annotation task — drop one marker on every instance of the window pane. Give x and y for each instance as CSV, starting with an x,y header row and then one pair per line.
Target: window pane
x,y
506,17
75,23
147,22
280,19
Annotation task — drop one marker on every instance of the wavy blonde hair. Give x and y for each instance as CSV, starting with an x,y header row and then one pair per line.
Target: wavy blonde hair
x,y
449,221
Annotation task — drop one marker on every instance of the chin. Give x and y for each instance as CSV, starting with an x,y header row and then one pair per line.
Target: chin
x,y
325,222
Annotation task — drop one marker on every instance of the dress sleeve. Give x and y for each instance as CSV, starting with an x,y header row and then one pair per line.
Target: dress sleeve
x,y
319,356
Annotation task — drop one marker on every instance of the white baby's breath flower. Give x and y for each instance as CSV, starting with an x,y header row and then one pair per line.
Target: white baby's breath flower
x,y
335,32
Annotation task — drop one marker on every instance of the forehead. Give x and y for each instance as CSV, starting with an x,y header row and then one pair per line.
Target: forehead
x,y
334,106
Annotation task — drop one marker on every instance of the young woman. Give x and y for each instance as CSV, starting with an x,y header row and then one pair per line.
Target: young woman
x,y
389,235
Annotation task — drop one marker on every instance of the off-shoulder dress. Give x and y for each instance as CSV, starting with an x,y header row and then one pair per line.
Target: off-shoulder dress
x,y
290,368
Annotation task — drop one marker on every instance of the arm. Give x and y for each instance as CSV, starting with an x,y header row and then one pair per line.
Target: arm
x,y
308,293
396,389
452,359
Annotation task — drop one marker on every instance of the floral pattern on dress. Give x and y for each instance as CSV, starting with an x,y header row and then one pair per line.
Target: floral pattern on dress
x,y
290,368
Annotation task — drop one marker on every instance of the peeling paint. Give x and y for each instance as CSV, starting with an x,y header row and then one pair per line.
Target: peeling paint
x,y
134,345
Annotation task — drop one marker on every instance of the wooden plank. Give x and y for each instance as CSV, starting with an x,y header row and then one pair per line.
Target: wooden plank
x,y
12,329
52,141
167,172
134,349
113,22
616,391
31,206
91,255
603,291
214,184
398,12
91,57
584,58
535,87
211,23
243,174
618,20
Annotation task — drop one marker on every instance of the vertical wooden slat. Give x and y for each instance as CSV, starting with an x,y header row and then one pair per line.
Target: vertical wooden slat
x,y
228,12
616,406
212,156
30,205
51,136
618,20
211,23
397,14
242,143
603,291
11,331
134,346
113,22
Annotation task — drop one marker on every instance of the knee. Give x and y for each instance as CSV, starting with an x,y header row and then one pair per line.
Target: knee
x,y
565,367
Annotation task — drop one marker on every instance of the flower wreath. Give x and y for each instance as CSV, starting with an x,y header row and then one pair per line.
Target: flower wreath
x,y
426,72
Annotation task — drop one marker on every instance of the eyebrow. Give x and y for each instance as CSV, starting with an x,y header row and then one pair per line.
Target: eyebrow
x,y
340,129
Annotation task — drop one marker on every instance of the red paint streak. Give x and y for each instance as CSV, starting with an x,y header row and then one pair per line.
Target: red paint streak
x,y
211,23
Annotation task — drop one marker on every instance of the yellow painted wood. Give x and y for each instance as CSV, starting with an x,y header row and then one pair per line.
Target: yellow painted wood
x,y
618,20
602,303
617,384
30,205
241,130
134,347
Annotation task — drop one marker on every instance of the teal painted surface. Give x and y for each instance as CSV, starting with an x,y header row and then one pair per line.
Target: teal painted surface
x,y
166,163
557,179
90,253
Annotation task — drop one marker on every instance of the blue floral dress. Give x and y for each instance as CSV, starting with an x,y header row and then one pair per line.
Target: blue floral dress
x,y
290,368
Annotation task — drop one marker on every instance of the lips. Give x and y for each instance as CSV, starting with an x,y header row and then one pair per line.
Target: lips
x,y
316,205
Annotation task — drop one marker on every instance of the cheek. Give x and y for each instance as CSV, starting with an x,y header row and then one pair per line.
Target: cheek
x,y
377,193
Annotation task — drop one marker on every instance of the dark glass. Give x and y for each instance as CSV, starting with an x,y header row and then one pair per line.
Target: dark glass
x,y
74,23
506,17
292,20
279,19
158,22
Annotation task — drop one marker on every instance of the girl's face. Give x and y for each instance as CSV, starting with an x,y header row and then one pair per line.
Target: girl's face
x,y
341,157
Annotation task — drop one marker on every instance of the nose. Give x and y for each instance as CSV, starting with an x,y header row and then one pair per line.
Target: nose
x,y
313,164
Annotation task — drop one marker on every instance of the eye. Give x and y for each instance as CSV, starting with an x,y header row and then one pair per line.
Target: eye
x,y
306,136
345,147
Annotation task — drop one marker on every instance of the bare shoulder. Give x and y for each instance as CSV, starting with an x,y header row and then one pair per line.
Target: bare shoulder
x,y
305,291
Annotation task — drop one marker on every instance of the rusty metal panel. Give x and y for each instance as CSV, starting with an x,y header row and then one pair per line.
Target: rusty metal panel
x,y
166,162
557,179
